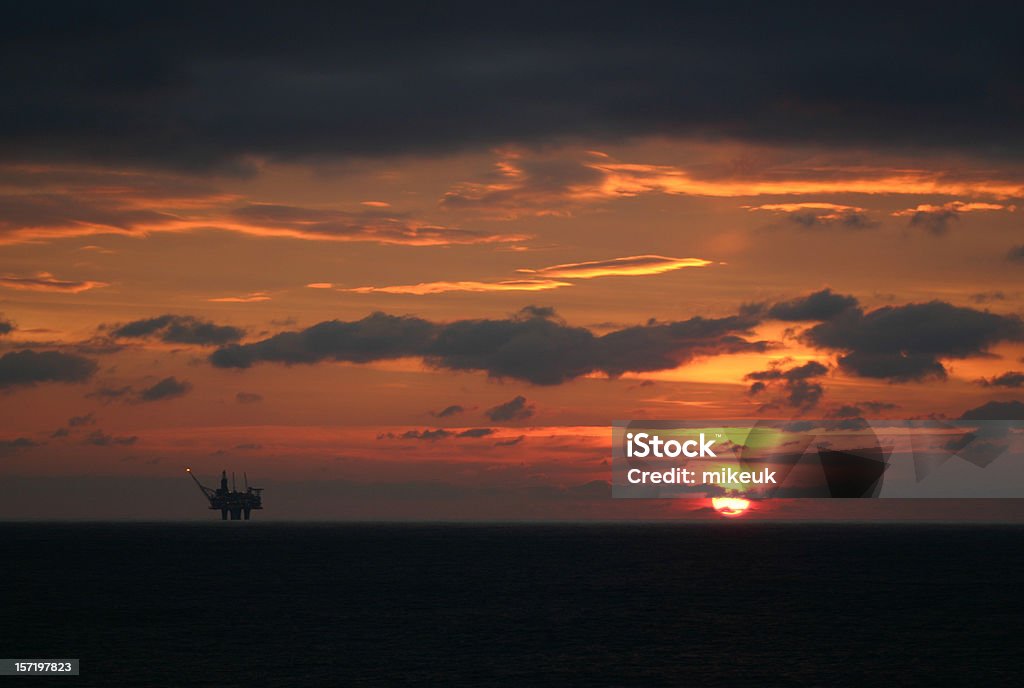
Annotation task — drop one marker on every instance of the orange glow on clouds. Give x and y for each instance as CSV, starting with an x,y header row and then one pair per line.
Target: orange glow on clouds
x,y
251,297
472,286
954,206
628,266
548,278
623,179
44,281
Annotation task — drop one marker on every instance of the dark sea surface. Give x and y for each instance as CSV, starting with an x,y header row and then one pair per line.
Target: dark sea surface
x,y
736,604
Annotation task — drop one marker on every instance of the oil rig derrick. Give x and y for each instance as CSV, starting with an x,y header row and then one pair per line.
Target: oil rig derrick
x,y
231,502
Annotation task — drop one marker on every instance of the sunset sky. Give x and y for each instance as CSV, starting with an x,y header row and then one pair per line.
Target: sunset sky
x,y
412,264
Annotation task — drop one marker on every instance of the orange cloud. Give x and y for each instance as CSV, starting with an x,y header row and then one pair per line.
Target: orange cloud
x,y
44,281
938,218
621,179
812,214
797,207
629,265
441,287
549,277
248,298
544,185
53,204
953,206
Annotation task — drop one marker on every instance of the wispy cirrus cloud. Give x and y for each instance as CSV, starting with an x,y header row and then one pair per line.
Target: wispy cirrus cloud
x,y
424,288
46,204
627,266
325,224
251,297
631,179
45,281
543,279
558,184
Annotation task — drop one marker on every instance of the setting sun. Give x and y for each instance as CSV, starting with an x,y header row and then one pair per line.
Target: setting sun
x,y
730,507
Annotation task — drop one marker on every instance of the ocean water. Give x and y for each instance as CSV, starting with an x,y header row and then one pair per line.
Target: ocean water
x,y
737,604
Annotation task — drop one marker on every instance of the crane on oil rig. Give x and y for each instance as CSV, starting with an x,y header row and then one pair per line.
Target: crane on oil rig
x,y
231,502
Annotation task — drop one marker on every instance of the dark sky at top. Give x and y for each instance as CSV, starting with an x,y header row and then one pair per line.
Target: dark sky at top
x,y
197,85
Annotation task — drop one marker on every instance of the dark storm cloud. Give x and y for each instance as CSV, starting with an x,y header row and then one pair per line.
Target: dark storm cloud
x,y
533,345
107,394
448,411
438,434
860,408
662,346
78,421
996,410
514,409
820,305
794,387
8,447
97,346
429,435
532,348
810,218
1013,378
194,85
168,388
99,438
988,296
476,432
895,343
27,367
935,221
6,326
376,337
904,343
179,329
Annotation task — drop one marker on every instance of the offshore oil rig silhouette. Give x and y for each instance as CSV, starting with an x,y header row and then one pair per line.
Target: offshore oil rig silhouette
x,y
233,502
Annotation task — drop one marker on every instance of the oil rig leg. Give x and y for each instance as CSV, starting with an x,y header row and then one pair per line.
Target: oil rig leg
x,y
223,514
236,514
247,514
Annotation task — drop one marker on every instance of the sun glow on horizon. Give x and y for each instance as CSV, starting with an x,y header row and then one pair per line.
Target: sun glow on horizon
x,y
730,507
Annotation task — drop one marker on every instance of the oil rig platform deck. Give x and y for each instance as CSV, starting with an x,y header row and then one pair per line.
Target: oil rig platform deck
x,y
231,502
